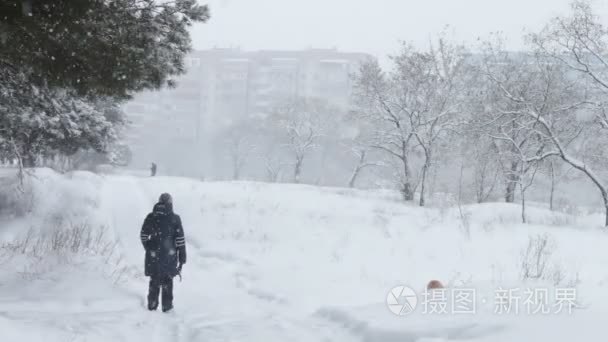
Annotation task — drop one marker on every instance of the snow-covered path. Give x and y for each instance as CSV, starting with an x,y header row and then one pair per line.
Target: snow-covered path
x,y
289,263
215,302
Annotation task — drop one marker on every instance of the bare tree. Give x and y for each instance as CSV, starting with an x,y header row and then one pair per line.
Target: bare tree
x,y
414,105
358,140
486,167
579,42
239,145
239,149
514,138
376,98
363,162
525,181
557,172
478,151
273,167
303,121
433,111
533,113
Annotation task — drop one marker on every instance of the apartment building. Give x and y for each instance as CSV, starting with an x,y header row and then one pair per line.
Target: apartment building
x,y
222,86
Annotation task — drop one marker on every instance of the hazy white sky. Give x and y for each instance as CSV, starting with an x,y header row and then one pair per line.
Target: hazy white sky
x,y
373,26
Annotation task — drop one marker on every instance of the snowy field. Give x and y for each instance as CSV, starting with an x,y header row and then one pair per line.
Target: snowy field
x,y
277,262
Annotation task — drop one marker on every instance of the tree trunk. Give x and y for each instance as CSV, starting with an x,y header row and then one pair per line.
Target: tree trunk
x,y
480,186
297,171
523,204
272,174
406,189
29,160
512,179
425,168
353,177
552,186
510,192
70,163
357,170
605,198
236,169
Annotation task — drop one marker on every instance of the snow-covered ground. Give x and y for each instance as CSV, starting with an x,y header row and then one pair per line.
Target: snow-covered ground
x,y
277,262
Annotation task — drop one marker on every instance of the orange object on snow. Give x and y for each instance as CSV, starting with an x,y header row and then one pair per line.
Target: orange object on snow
x,y
434,284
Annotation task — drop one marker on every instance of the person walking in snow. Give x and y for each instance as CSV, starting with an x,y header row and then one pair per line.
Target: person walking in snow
x,y
162,236
153,170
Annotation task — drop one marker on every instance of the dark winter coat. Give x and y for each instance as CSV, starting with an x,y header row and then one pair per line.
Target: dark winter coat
x,y
162,236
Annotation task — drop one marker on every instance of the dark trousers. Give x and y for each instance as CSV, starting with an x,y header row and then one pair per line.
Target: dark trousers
x,y
156,283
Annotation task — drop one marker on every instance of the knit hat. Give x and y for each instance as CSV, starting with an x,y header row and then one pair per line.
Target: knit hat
x,y
165,198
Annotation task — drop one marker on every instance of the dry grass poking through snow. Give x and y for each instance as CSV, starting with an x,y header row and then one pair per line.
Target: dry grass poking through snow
x,y
44,250
537,262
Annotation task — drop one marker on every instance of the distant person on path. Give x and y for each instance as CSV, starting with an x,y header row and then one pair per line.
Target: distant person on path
x,y
162,236
153,170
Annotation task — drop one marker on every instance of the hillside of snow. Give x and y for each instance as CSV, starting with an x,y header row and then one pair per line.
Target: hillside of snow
x,y
278,262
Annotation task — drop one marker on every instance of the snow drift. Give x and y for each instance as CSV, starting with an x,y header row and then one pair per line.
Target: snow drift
x,y
278,262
